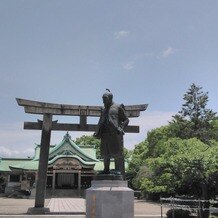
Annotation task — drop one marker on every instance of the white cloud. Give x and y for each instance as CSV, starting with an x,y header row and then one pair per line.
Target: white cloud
x,y
167,52
16,142
140,57
9,152
129,65
121,34
5,152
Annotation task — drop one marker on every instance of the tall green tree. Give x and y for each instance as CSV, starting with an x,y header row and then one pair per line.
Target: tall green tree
x,y
186,166
181,157
195,119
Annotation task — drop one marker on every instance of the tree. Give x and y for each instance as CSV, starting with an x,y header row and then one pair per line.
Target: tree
x,y
127,154
156,139
194,119
136,164
181,157
186,167
89,140
138,157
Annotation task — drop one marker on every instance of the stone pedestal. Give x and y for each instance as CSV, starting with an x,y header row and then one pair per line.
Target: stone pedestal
x,y
38,210
109,199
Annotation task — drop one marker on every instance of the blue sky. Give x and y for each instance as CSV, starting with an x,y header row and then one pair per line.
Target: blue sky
x,y
145,51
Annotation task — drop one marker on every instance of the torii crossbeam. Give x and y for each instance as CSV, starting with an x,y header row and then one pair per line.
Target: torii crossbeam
x,y
46,125
36,107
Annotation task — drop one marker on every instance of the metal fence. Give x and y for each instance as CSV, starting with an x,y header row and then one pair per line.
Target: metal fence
x,y
196,207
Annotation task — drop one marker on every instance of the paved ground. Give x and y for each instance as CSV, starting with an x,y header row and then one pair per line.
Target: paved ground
x,y
10,206
61,207
142,207
67,205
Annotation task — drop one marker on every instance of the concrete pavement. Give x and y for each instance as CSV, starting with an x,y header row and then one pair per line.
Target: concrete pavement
x,y
69,207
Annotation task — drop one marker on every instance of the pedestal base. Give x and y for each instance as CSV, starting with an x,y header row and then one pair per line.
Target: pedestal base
x,y
108,177
38,210
109,199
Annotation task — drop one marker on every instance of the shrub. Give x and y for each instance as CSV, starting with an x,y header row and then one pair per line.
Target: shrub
x,y
178,213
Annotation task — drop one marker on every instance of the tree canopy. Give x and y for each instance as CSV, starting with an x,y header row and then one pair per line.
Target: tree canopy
x,y
89,140
183,167
181,157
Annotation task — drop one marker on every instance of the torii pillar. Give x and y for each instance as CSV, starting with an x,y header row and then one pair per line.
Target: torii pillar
x,y
43,163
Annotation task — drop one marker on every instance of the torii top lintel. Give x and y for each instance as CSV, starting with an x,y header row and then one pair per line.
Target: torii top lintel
x,y
36,107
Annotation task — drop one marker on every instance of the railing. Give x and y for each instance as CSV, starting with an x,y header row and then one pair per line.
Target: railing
x,y
196,207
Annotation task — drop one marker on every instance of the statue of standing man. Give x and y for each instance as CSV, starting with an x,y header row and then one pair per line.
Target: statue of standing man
x,y
111,127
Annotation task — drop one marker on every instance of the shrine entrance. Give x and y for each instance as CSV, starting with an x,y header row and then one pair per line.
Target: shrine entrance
x,y
59,176
66,180
62,181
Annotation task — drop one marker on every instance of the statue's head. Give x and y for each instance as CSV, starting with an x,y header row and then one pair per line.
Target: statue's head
x,y
107,98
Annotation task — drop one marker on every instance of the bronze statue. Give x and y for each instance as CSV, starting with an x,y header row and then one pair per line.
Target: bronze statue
x,y
111,127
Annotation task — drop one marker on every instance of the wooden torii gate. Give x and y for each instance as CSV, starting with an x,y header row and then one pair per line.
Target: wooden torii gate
x,y
46,125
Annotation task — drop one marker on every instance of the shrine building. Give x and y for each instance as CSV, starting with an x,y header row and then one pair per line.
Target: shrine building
x,y
70,166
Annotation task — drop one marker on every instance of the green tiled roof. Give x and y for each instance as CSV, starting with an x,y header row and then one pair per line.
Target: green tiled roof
x,y
5,163
30,166
75,149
